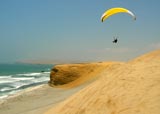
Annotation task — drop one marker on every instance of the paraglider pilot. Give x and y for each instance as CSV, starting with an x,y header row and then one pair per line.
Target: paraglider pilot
x,y
115,40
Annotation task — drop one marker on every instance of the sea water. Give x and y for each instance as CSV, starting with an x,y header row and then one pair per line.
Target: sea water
x,y
16,77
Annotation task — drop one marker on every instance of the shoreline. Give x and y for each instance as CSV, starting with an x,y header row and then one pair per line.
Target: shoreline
x,y
113,89
35,100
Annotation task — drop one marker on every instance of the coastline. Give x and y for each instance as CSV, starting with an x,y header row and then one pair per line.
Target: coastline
x,y
35,100
98,95
41,98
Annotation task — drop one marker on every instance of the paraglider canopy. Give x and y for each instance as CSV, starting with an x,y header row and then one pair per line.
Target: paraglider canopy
x,y
114,11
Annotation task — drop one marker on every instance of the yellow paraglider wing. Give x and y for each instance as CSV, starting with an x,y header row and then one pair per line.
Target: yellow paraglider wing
x,y
113,11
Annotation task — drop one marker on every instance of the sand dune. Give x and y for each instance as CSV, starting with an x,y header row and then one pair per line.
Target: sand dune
x,y
122,88
72,75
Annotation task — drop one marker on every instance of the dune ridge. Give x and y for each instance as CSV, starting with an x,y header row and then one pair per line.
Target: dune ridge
x,y
72,75
122,88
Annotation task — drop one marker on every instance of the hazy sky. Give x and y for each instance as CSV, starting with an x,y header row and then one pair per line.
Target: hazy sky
x,y
71,30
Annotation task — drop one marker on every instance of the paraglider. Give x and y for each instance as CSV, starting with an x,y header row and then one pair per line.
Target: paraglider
x,y
114,11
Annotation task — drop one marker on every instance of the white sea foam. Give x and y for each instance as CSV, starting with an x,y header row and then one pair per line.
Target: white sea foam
x,y
42,79
6,89
8,76
23,78
20,84
13,80
7,80
30,74
47,72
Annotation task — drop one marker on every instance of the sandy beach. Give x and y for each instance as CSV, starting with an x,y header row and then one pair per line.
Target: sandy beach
x,y
111,88
35,100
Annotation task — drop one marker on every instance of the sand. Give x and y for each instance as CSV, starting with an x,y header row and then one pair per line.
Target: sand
x,y
72,75
35,100
39,99
123,88
120,88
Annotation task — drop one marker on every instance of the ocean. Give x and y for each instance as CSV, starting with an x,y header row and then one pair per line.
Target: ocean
x,y
16,77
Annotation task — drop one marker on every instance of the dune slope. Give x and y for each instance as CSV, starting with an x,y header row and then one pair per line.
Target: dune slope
x,y
71,75
130,88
